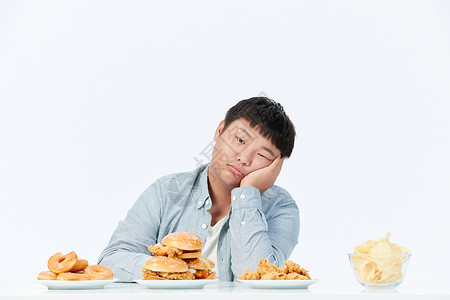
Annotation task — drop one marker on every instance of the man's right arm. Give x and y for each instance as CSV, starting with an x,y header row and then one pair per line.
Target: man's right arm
x,y
127,250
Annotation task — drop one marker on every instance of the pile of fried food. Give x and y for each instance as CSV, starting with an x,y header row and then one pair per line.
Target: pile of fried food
x,y
178,257
268,271
379,261
69,267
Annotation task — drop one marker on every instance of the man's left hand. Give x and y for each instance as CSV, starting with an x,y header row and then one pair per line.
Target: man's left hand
x,y
264,178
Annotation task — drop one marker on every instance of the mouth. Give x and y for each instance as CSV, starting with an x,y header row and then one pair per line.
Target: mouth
x,y
235,170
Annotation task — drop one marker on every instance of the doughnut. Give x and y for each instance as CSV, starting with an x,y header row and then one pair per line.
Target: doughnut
x,y
72,276
80,265
47,275
60,263
98,272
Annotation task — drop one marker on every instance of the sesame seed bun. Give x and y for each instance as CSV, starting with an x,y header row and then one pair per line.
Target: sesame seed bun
x,y
200,263
183,241
166,264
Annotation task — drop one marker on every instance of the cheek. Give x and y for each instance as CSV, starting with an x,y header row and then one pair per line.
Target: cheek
x,y
222,152
260,163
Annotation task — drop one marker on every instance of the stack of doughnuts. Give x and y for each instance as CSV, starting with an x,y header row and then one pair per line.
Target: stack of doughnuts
x,y
178,257
69,267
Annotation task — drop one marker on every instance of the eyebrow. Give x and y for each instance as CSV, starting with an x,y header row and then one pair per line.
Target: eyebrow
x,y
265,148
270,151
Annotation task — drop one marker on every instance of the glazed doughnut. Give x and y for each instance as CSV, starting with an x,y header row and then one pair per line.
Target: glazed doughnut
x,y
72,276
60,263
47,275
80,265
98,272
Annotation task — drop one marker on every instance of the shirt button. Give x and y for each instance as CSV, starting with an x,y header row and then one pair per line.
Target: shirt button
x,y
233,198
204,226
243,223
199,202
242,196
207,202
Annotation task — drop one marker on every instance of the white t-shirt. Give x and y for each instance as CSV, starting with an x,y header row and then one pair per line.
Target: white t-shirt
x,y
210,249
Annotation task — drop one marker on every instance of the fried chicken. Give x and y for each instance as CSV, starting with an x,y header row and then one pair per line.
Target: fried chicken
x,y
180,276
162,250
250,275
268,271
295,268
265,267
147,273
273,276
296,276
204,274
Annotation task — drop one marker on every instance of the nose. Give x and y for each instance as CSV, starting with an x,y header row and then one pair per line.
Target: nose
x,y
244,156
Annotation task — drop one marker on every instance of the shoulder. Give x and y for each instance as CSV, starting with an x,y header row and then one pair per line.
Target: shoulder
x,y
174,188
179,180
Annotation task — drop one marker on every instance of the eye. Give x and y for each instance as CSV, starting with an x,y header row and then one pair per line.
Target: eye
x,y
262,155
240,140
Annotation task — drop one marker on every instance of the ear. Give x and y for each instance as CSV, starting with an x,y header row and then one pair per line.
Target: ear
x,y
219,130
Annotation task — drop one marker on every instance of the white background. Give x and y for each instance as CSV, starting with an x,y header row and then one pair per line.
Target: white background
x,y
100,98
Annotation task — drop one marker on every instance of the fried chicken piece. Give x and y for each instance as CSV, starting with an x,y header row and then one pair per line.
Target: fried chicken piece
x,y
200,274
146,273
211,275
273,276
295,268
180,276
162,250
296,276
265,267
268,271
250,275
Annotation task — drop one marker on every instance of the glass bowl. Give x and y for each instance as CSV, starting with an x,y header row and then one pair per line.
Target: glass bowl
x,y
379,271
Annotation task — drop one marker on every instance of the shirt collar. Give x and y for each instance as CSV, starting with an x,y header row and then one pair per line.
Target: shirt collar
x,y
204,192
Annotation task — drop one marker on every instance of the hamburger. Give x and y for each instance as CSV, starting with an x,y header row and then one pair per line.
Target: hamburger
x,y
201,268
166,268
182,245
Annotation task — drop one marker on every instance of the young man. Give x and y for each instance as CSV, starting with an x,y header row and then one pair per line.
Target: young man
x,y
231,203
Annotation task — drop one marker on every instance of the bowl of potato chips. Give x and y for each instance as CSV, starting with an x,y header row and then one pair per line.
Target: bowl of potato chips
x,y
379,263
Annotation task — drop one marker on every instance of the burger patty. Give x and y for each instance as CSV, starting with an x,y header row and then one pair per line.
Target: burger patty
x,y
204,274
162,250
169,276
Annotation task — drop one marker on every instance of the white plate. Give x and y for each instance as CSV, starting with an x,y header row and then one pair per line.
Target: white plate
x,y
279,284
75,284
176,284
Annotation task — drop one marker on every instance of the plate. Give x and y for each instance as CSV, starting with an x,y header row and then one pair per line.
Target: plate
x,y
279,284
176,284
75,285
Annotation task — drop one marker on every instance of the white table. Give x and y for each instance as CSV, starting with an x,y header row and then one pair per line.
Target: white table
x,y
219,291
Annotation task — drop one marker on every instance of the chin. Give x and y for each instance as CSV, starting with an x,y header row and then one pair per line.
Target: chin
x,y
224,175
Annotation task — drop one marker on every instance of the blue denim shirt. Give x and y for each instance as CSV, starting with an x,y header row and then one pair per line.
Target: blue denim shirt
x,y
257,226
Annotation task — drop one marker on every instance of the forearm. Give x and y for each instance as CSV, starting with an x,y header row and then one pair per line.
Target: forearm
x,y
126,266
253,237
127,250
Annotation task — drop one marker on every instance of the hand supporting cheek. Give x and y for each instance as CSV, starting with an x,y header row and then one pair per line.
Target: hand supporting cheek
x,y
264,178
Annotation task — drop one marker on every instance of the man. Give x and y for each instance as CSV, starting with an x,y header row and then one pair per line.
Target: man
x,y
231,203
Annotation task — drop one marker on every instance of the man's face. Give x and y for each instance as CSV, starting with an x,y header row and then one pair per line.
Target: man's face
x,y
239,150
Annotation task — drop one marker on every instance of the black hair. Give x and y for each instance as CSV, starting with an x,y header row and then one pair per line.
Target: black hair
x,y
269,117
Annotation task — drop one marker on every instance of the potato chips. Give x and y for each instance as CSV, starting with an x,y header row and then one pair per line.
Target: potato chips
x,y
379,261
